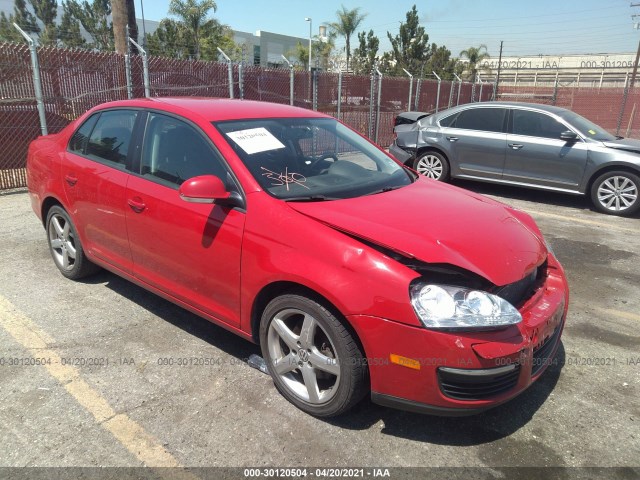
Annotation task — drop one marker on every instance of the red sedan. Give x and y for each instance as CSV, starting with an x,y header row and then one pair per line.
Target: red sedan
x,y
355,275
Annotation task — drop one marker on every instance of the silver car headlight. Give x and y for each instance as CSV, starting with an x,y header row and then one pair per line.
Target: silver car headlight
x,y
458,308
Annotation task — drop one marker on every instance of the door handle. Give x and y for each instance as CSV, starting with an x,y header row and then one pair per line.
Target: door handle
x,y
452,139
71,180
516,146
136,205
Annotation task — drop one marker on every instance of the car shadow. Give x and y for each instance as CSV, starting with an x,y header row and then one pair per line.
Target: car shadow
x,y
219,337
458,431
485,427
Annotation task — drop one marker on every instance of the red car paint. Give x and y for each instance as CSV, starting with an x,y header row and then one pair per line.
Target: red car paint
x,y
134,228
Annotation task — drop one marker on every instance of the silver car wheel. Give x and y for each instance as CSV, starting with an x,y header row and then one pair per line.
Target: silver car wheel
x,y
617,193
62,242
304,356
430,166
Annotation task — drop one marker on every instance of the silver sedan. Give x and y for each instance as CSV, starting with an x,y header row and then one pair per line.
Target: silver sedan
x,y
523,144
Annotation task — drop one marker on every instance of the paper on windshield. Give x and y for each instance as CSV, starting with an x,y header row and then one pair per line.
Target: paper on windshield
x,y
255,140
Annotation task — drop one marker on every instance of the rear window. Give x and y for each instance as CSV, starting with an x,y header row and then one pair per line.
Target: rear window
x,y
483,119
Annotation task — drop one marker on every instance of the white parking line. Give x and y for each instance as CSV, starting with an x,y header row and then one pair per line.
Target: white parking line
x,y
129,433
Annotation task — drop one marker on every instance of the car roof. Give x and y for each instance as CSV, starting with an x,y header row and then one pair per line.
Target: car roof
x,y
217,109
525,105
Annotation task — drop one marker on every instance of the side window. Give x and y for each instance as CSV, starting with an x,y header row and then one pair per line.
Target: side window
x,y
484,119
448,121
535,124
78,142
111,136
174,151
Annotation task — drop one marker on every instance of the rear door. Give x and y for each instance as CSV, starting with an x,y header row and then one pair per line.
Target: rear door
x,y
190,251
476,141
95,175
536,155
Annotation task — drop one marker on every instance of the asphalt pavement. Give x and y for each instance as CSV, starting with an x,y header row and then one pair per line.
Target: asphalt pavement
x,y
104,373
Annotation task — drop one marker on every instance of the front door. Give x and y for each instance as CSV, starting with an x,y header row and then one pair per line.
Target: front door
x,y
190,251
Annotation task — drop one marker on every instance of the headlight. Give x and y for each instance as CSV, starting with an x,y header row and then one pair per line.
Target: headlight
x,y
459,308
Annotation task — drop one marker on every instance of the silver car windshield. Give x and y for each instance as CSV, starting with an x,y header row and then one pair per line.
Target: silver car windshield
x,y
303,159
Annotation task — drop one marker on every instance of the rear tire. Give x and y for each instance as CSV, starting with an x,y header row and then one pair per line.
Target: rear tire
x,y
65,246
616,193
432,165
313,359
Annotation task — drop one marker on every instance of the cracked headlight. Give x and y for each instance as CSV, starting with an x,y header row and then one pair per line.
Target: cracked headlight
x,y
457,308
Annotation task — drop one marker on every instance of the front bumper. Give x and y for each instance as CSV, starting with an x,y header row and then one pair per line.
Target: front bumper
x,y
462,373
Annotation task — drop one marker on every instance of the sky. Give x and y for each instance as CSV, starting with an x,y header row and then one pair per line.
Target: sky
x,y
526,27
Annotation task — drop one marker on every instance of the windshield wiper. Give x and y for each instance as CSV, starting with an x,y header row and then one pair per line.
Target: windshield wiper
x,y
618,137
386,189
309,198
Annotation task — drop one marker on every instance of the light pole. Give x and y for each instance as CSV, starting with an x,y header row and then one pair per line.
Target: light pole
x,y
308,19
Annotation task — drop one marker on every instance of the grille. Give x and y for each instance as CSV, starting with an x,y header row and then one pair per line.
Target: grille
x,y
542,353
517,293
467,384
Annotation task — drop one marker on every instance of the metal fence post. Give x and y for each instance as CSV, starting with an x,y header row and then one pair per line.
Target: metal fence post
x,y
290,79
554,98
371,95
37,82
459,88
230,68
451,83
339,92
437,94
127,68
410,88
417,101
481,85
379,97
315,89
145,68
624,104
240,80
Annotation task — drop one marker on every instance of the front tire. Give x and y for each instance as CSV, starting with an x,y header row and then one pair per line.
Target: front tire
x,y
616,193
65,246
432,165
313,359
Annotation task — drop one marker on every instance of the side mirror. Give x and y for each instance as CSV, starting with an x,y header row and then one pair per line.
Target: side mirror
x,y
208,189
568,136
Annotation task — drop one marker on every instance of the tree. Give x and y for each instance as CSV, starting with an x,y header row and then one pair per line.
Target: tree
x,y
21,16
94,17
346,25
120,21
46,11
169,40
69,31
364,57
474,55
193,15
410,47
440,61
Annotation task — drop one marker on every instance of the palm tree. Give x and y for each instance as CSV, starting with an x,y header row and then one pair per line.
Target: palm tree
x,y
193,15
348,22
475,55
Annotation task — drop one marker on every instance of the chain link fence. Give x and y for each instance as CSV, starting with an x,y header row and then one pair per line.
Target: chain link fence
x,y
75,80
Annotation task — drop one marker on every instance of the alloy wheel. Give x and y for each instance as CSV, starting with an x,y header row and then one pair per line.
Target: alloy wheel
x,y
62,242
430,166
304,357
617,193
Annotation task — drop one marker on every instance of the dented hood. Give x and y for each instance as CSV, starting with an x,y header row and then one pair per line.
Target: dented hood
x,y
438,223
628,144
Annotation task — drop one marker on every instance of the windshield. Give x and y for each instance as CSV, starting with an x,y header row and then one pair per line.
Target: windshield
x,y
308,159
587,127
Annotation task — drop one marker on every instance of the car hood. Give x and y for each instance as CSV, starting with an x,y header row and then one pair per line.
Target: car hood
x,y
438,223
628,144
